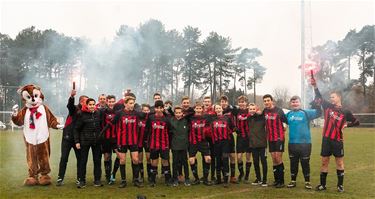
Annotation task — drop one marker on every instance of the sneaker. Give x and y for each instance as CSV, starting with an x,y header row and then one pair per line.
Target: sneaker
x,y
308,185
275,183
123,184
280,185
175,183
81,185
112,180
187,182
264,184
59,182
256,182
196,182
340,188
320,188
77,182
201,179
292,184
207,183
137,183
97,183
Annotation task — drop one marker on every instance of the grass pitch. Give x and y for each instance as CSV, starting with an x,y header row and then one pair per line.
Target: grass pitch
x,y
359,180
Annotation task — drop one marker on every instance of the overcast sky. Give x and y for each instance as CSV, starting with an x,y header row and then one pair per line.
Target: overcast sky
x,y
272,26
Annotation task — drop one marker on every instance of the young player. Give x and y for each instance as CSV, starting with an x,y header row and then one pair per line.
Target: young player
x,y
86,136
67,141
179,145
197,142
143,143
209,111
299,146
158,128
222,127
102,102
109,141
258,144
228,110
336,118
275,118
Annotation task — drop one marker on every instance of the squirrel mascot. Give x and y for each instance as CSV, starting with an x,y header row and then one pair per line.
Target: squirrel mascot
x,y
37,119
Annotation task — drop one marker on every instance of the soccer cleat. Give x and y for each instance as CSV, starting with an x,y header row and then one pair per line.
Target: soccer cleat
x,y
308,185
97,183
207,183
340,188
256,182
77,182
81,185
187,182
280,185
137,183
292,184
320,188
264,184
175,183
59,182
112,180
196,182
123,184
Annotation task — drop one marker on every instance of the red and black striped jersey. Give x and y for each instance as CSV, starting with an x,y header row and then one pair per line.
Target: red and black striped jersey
x,y
275,118
335,119
198,125
222,127
107,116
158,129
142,138
208,113
242,125
127,127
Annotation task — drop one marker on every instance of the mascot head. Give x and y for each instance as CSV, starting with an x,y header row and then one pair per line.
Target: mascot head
x,y
31,95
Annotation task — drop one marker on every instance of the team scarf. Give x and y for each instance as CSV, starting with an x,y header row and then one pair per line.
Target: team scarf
x,y
37,116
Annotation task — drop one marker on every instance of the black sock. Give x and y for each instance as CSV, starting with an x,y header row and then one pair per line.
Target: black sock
x,y
107,168
148,169
281,173
232,169
323,178
167,173
248,166
240,168
116,165
340,177
194,170
135,168
141,170
122,172
206,170
275,173
153,171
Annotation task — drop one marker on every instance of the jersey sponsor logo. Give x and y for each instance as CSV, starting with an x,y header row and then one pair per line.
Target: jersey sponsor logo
x,y
155,126
195,125
296,118
217,125
141,124
127,121
270,117
241,117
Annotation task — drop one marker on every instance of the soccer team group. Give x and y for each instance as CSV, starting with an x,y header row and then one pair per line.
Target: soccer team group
x,y
156,131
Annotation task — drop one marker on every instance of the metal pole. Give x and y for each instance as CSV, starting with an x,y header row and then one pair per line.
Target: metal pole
x,y
303,53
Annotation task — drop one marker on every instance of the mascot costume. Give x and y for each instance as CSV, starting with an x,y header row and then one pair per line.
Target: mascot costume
x,y
37,119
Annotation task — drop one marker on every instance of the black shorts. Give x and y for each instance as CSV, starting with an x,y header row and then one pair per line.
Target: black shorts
x,y
302,150
332,147
232,145
242,145
108,146
276,146
202,147
145,148
124,149
156,153
222,146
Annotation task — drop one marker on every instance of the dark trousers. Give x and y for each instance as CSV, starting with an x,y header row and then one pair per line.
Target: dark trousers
x,y
96,156
222,150
66,146
300,153
260,154
180,161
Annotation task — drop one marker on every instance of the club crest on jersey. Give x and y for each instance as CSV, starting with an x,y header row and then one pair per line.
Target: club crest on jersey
x,y
109,116
332,115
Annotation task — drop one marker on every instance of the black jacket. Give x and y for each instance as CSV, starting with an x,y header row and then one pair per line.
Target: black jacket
x,y
257,134
87,128
70,120
180,134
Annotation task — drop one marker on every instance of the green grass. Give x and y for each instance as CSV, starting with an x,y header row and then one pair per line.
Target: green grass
x,y
359,174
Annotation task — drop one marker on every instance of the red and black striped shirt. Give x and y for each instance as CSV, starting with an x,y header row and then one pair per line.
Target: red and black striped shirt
x,y
198,126
158,132
335,118
275,118
222,128
208,113
127,127
107,116
242,125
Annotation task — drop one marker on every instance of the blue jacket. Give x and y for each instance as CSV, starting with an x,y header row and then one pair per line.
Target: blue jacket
x,y
299,125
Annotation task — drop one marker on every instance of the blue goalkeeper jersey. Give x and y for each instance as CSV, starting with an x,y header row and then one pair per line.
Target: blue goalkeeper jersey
x,y
299,125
